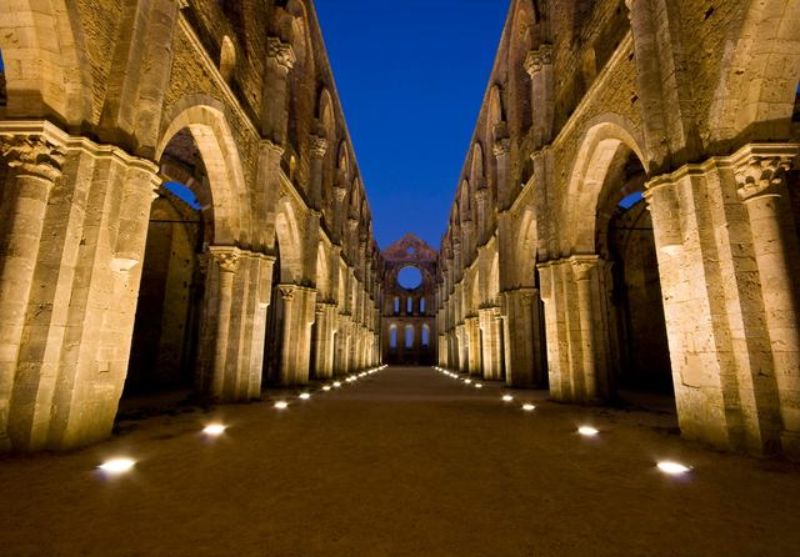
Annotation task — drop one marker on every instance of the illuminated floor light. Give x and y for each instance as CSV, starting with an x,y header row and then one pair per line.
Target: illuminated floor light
x,y
588,431
214,430
326,388
468,381
508,398
117,466
673,468
337,385
304,396
528,407
478,386
281,405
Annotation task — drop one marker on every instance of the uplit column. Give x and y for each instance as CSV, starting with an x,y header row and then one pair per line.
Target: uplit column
x,y
275,104
504,187
522,337
473,345
299,305
226,260
539,65
35,164
762,187
589,379
490,327
326,314
319,147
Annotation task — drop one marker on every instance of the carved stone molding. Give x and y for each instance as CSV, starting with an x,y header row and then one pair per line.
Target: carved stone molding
x,y
762,175
583,265
538,59
501,147
281,52
227,258
33,155
319,146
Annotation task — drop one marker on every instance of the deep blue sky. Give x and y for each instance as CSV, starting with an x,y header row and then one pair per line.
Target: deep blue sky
x,y
411,75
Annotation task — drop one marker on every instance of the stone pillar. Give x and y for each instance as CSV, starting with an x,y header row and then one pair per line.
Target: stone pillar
x,y
539,65
492,357
761,177
326,317
461,339
482,199
319,147
522,333
275,104
505,189
585,272
226,261
473,332
35,164
299,305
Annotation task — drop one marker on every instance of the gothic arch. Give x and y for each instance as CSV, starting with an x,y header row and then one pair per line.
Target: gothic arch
x,y
609,138
756,95
289,239
476,174
525,252
46,69
205,120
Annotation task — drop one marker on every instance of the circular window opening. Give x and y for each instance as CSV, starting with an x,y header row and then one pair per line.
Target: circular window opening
x,y
409,278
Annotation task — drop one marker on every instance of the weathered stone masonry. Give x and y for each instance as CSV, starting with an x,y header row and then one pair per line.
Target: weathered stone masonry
x,y
105,101
547,270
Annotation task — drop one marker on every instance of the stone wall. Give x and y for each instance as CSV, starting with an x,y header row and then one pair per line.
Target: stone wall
x,y
699,99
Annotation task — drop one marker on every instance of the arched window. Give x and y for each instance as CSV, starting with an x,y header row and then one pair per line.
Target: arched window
x,y
426,336
396,305
227,59
410,306
393,337
409,336
796,116
3,94
422,305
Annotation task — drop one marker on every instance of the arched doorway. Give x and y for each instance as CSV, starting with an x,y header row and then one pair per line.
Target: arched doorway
x,y
166,336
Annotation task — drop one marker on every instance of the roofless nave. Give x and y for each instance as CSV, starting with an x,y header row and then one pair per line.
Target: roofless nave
x,y
182,209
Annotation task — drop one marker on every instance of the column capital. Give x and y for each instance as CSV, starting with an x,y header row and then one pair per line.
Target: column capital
x,y
536,60
33,155
583,265
319,146
227,258
763,173
501,147
282,53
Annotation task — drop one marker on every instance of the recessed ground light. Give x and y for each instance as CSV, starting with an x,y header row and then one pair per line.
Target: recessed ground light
x,y
214,430
326,388
528,407
467,381
588,431
508,398
337,385
281,405
478,386
673,468
304,396
117,466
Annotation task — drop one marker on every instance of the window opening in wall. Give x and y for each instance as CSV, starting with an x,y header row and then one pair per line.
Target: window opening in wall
x,y
184,193
396,305
410,306
393,337
3,93
426,336
409,278
422,305
409,336
796,115
631,200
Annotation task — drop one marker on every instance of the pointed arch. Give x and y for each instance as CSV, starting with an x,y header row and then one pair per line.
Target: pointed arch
x,y
476,174
205,120
289,240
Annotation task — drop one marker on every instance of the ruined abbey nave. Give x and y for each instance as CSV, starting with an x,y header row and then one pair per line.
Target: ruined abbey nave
x,y
182,219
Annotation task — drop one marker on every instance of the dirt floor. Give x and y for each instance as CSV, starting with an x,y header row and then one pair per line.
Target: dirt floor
x,y
406,462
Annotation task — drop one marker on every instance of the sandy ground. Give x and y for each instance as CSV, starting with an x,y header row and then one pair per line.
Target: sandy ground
x,y
407,462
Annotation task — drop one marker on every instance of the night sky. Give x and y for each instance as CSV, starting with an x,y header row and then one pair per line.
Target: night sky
x,y
411,75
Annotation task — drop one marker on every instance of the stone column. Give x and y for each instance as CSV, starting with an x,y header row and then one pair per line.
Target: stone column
x,y
275,104
326,315
473,331
299,304
482,198
522,333
505,190
319,147
490,327
762,187
539,65
226,260
35,164
461,339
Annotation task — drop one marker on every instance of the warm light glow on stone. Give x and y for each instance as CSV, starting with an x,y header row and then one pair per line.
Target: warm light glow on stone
x,y
528,407
468,381
326,388
214,429
118,465
478,386
588,431
281,405
673,468
508,398
337,385
304,396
